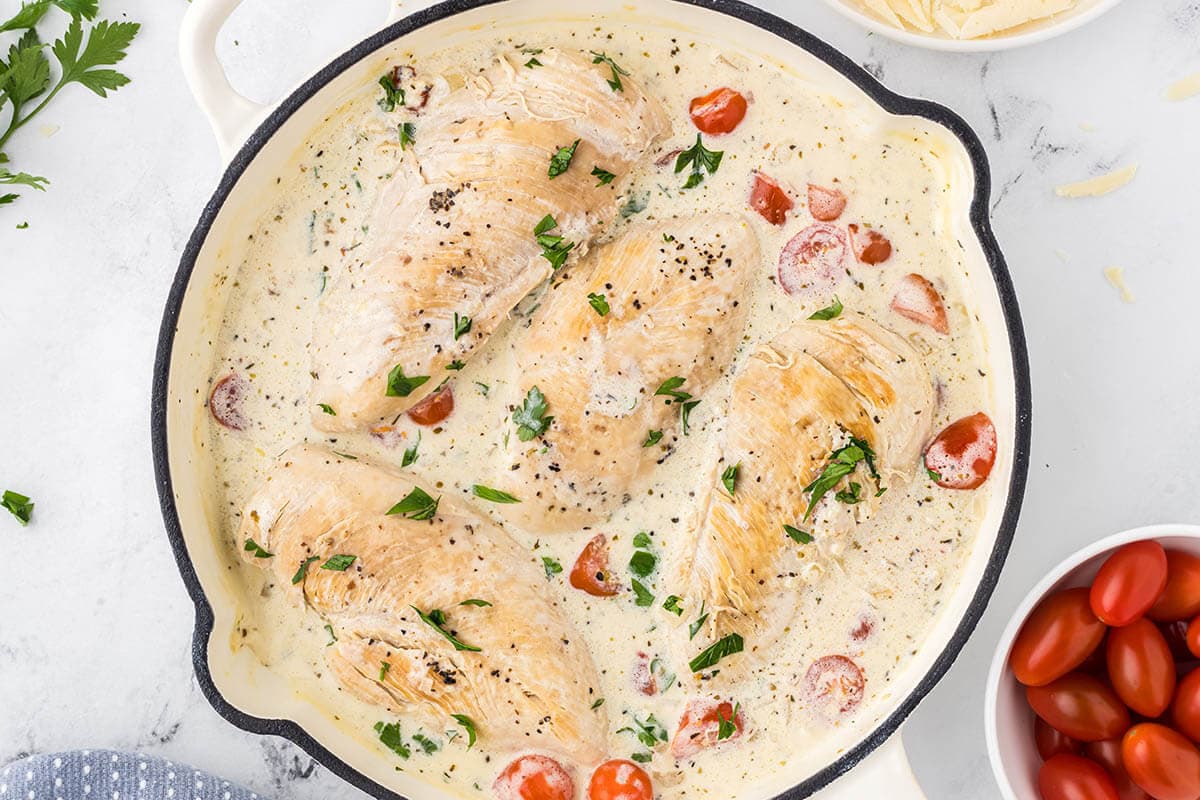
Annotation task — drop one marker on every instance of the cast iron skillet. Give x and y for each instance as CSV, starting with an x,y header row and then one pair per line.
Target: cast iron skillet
x,y
889,100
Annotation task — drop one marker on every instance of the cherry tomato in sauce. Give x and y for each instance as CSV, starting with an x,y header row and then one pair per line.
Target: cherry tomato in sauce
x,y
719,111
1192,637
869,245
1180,598
1108,755
534,777
770,200
1129,582
813,261
590,573
834,686
1162,761
1080,706
1072,777
963,454
1185,710
700,727
1140,667
917,299
1051,742
1057,637
434,408
225,401
824,204
620,780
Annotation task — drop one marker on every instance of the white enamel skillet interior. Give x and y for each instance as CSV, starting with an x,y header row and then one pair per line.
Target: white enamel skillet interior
x,y
257,141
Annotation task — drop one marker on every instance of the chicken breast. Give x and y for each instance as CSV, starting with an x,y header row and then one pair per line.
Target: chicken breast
x,y
845,399
658,309
453,245
525,678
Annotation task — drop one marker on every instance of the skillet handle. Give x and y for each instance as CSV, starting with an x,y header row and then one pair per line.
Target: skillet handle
x,y
884,773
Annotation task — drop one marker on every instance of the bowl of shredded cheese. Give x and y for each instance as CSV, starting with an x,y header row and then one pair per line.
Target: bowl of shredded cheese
x,y
971,25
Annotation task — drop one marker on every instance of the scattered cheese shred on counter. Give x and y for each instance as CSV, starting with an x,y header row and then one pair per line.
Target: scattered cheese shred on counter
x,y
965,19
1184,88
1116,276
1101,184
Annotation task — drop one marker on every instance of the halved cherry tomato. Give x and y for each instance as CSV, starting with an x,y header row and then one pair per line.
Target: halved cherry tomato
x,y
590,573
1192,637
1129,582
918,300
620,780
534,777
769,200
834,686
1140,667
1080,706
1051,742
1072,777
719,111
642,677
825,204
225,401
964,452
869,245
700,726
1185,710
434,408
1181,597
813,261
1108,755
1057,637
1162,762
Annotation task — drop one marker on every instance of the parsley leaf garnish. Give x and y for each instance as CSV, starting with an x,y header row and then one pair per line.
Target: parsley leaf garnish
x,y
252,546
560,162
701,160
797,535
475,601
933,475
850,496
551,566
829,312
597,704
602,176
408,135
533,62
649,733
436,619
642,539
401,385
615,81
670,388
494,495
332,636
384,667
672,605
393,93
554,247
339,563
642,563
652,438
18,505
644,597
462,325
600,303
642,758
303,570
531,417
725,646
456,365
410,453
391,738
429,746
729,477
695,626
416,505
685,413
328,409
465,721
727,727
842,462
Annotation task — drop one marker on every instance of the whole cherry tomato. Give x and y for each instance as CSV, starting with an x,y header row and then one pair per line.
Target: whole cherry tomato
x,y
1162,762
1140,667
963,454
620,780
1056,638
1071,777
1193,637
1080,706
534,777
1051,742
1108,755
1185,711
1181,597
434,408
719,111
1129,582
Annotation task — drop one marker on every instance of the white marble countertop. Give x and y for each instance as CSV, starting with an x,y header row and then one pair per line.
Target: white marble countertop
x,y
95,626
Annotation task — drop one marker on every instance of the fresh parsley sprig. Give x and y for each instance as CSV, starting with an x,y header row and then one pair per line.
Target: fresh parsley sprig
x,y
560,162
842,462
531,418
615,81
554,247
436,619
701,160
416,505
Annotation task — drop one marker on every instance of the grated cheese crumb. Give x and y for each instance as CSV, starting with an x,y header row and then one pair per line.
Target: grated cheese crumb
x,y
1116,277
1101,184
1184,88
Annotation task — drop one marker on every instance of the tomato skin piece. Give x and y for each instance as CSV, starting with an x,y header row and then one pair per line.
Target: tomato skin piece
x,y
1072,777
534,777
770,200
1057,637
1129,582
1185,710
1051,742
620,780
824,204
590,573
434,408
1108,755
1140,667
963,454
719,111
1080,706
1162,761
1181,597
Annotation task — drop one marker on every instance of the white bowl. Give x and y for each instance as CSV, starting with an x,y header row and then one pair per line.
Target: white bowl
x,y
1007,717
1030,33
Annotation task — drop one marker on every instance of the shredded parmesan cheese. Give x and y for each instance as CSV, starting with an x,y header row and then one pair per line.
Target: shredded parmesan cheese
x,y
1184,88
1101,184
1116,276
964,19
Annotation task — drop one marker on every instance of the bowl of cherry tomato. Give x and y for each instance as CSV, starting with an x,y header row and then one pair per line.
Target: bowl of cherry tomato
x,y
1094,692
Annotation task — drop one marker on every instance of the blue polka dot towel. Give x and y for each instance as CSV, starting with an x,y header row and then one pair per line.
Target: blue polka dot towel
x,y
106,775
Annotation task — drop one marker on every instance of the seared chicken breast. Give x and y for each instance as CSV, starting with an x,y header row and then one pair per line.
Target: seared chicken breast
x,y
453,243
454,607
615,357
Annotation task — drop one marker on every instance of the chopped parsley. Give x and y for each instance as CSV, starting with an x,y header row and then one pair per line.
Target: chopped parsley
x,y
672,605
797,535
531,417
727,727
850,496
383,670
644,597
416,505
410,453
391,738
701,160
642,539
560,162
533,62
685,413
532,51
462,325
468,725
408,135
642,563
554,247
494,495
615,81
842,462
695,626
18,505
642,758
600,303
429,746
551,566
483,388
649,733
436,619
393,94
602,176
339,563
670,388
475,601
332,636
401,385
597,704
934,476
725,646
328,409
456,365
303,570
729,477
829,312
652,438
252,546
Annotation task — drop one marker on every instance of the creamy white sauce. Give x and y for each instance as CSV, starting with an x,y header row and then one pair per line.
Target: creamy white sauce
x,y
899,566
